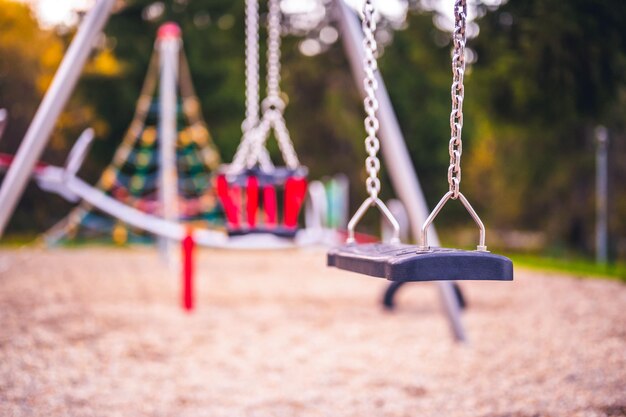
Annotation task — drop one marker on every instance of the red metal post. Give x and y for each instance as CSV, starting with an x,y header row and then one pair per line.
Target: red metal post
x,y
188,246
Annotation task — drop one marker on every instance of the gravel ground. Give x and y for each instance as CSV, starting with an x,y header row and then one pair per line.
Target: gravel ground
x,y
98,332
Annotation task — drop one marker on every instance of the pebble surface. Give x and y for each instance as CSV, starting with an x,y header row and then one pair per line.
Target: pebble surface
x,y
99,332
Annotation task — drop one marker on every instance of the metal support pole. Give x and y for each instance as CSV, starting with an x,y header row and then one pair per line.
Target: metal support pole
x,y
4,115
398,210
169,43
602,191
396,155
48,112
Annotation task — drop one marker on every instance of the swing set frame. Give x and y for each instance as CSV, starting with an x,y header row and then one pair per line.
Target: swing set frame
x,y
401,171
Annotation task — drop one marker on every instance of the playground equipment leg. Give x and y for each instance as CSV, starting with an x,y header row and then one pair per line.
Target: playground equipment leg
x,y
4,115
602,192
398,162
48,112
392,289
188,246
169,51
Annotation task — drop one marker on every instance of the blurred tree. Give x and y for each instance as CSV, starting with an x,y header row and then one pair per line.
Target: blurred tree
x,y
29,57
548,71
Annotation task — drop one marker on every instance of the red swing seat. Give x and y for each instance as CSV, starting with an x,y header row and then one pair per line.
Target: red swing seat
x,y
250,200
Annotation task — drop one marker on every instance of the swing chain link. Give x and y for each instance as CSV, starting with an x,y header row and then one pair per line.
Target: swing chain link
x,y
372,144
458,94
273,57
252,84
273,105
252,66
251,149
456,125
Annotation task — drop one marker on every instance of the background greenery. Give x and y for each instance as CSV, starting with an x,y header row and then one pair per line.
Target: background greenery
x,y
547,72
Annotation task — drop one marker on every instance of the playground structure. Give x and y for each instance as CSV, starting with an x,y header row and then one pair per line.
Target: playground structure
x,y
166,226
133,177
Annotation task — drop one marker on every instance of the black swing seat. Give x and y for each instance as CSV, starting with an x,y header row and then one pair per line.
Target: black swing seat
x,y
406,263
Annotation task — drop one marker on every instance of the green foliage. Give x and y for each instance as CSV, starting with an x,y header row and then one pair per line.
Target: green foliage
x,y
28,57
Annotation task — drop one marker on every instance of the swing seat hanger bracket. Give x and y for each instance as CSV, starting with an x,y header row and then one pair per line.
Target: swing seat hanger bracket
x,y
370,202
481,247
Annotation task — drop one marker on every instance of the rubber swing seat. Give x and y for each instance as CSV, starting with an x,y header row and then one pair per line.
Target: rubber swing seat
x,y
406,263
250,199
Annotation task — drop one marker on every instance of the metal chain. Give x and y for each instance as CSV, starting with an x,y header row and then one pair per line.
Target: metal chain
x,y
251,150
284,140
458,93
255,152
273,105
272,120
273,52
372,144
245,149
252,65
252,88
